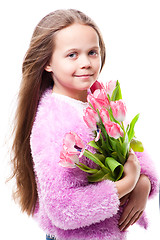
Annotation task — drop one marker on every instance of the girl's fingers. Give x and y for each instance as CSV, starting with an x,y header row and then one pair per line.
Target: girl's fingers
x,y
125,218
130,219
137,218
127,211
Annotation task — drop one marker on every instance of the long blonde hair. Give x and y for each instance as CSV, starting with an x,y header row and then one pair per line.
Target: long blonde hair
x,y
35,80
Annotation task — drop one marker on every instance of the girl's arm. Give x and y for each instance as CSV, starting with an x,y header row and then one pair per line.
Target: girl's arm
x,y
148,169
137,200
146,187
131,176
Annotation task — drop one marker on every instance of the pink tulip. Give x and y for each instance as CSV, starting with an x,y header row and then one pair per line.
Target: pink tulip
x,y
98,99
72,143
119,110
73,147
91,118
110,86
96,85
113,129
104,115
67,160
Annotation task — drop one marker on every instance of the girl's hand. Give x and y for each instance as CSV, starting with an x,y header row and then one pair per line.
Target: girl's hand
x,y
131,176
132,169
137,200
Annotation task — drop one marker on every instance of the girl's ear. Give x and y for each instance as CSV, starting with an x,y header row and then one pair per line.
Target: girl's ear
x,y
48,68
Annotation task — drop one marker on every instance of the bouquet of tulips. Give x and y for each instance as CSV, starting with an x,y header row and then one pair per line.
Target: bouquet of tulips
x,y
105,116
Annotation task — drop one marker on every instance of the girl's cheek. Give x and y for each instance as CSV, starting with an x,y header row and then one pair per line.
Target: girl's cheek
x,y
98,68
69,68
97,64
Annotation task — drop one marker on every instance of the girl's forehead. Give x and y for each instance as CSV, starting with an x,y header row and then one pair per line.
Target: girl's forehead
x,y
76,35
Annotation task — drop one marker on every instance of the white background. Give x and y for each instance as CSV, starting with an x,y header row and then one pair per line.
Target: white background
x,y
131,33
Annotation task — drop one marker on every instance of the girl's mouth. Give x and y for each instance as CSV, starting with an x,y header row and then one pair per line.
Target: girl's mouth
x,y
84,76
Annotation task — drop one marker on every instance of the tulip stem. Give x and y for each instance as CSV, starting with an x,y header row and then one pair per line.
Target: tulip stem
x,y
123,128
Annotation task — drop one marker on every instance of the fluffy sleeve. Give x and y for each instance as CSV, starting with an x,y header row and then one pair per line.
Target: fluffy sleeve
x,y
65,194
148,169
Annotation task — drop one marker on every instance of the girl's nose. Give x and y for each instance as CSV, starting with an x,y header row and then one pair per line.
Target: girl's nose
x,y
85,62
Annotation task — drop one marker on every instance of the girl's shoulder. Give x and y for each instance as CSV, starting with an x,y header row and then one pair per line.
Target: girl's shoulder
x,y
55,104
60,114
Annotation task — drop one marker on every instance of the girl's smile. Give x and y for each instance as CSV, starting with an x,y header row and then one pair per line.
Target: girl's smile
x,y
84,76
76,61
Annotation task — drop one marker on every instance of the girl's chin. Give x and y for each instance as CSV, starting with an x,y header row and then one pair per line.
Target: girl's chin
x,y
86,86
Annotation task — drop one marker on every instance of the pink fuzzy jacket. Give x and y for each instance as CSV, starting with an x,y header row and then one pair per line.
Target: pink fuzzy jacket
x,y
68,207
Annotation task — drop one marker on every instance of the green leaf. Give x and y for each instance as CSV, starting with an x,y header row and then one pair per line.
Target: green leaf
x,y
136,145
101,122
116,167
100,176
131,128
117,94
109,98
121,157
125,146
94,145
91,106
93,157
113,142
97,177
86,168
117,147
109,176
105,144
111,116
101,157
114,155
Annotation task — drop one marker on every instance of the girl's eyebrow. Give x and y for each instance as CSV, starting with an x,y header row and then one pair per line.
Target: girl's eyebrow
x,y
77,49
71,50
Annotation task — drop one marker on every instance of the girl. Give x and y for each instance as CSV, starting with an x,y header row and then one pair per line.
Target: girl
x,y
64,59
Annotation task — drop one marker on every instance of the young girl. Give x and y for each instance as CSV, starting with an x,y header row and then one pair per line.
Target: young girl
x,y
64,59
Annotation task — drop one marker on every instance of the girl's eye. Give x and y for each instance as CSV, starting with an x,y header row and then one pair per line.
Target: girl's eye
x,y
93,53
72,55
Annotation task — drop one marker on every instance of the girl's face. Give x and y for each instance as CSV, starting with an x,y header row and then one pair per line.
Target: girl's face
x,y
76,61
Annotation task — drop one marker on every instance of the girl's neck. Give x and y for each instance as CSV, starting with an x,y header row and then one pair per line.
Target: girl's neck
x,y
78,95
